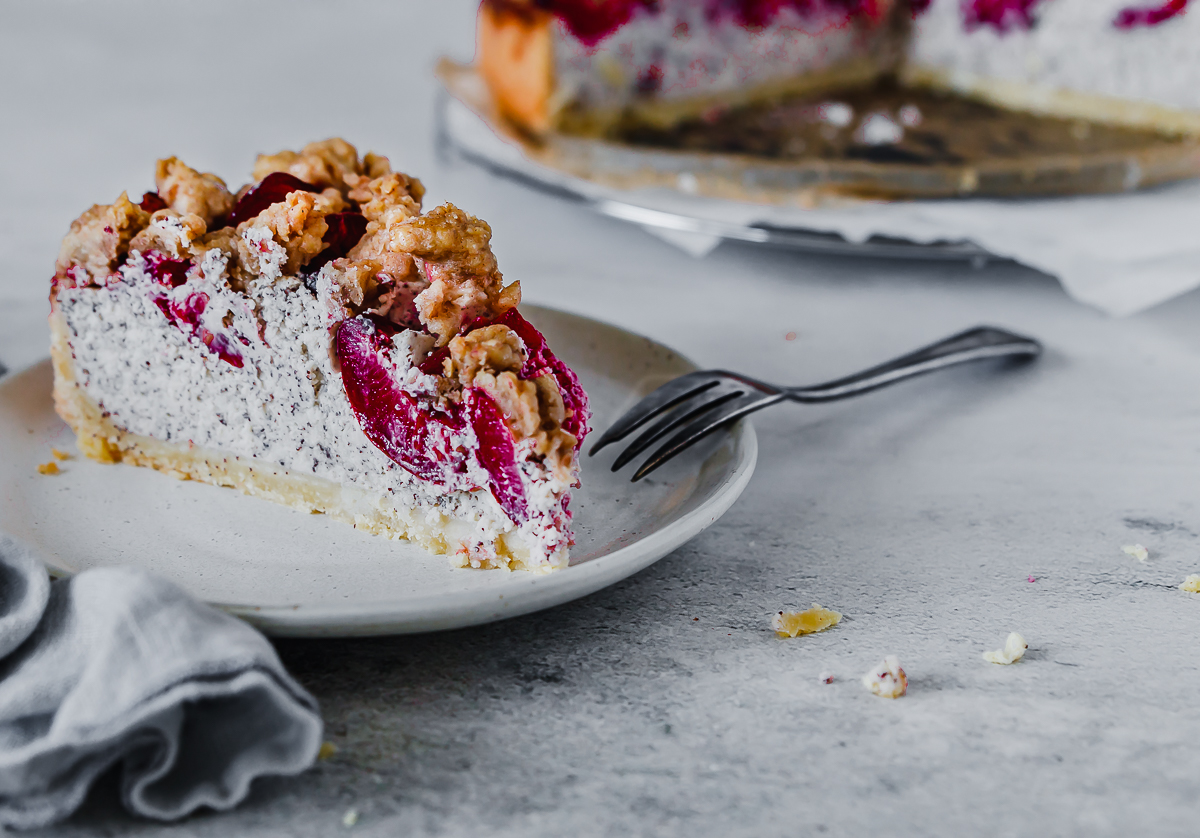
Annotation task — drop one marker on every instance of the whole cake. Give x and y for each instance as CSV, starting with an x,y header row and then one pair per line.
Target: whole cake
x,y
593,66
317,340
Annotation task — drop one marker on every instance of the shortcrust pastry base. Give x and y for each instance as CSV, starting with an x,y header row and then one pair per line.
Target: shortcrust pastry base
x,y
101,440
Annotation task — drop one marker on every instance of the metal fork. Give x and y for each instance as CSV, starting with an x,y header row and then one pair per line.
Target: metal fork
x,y
701,402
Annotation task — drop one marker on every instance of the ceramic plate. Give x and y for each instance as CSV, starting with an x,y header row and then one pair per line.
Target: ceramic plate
x,y
305,575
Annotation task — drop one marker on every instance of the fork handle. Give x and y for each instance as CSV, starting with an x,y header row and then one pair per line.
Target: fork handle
x,y
972,345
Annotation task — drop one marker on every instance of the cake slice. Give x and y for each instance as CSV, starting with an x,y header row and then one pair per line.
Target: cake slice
x,y
602,66
316,340
592,66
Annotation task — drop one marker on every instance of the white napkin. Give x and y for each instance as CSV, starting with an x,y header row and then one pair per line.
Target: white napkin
x,y
1120,253
117,666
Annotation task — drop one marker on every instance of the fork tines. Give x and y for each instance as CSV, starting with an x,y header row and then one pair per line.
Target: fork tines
x,y
699,402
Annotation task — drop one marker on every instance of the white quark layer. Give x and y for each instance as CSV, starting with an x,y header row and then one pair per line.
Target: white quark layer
x,y
1074,46
286,405
699,58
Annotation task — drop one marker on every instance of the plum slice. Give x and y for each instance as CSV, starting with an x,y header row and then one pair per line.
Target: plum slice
x,y
185,315
418,439
424,438
272,189
1135,16
345,230
540,361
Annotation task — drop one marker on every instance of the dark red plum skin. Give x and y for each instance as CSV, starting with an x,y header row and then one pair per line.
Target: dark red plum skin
x,y
418,437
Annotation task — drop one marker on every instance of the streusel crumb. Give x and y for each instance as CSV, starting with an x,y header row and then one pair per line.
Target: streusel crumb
x,y
1191,584
464,282
793,623
887,679
323,164
190,192
48,468
60,455
98,240
490,358
1137,551
170,233
294,223
1013,651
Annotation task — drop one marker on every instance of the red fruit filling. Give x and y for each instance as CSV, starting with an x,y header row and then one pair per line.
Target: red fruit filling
x,y
185,314
1136,16
345,229
417,433
1002,15
152,203
591,21
272,189
539,362
165,270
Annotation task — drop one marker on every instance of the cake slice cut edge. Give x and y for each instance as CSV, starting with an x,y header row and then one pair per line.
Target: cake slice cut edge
x,y
218,356
662,63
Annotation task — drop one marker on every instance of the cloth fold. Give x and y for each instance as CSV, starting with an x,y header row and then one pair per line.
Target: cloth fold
x,y
118,666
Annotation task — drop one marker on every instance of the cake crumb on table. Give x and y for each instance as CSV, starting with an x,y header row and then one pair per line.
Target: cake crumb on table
x,y
887,679
48,468
1191,584
328,749
1013,651
60,455
1137,551
792,623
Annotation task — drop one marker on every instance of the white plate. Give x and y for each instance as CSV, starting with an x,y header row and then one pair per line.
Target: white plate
x,y
305,575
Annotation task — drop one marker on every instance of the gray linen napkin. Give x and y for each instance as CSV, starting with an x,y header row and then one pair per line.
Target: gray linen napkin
x,y
115,665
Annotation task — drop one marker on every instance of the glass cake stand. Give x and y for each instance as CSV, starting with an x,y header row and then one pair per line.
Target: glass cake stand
x,y
466,136
673,184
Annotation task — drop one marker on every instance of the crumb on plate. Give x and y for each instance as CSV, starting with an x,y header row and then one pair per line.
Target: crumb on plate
x,y
792,623
1191,584
887,679
1013,651
60,455
1137,551
48,468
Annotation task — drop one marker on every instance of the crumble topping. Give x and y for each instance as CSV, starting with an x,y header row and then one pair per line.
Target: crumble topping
x,y
793,623
189,192
59,455
1191,584
1013,651
296,225
887,679
490,358
48,468
323,164
98,240
464,282
170,233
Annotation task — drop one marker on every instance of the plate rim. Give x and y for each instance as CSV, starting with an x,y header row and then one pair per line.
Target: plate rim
x,y
534,593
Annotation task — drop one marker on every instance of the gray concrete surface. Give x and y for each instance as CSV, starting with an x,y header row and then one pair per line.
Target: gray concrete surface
x,y
664,705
